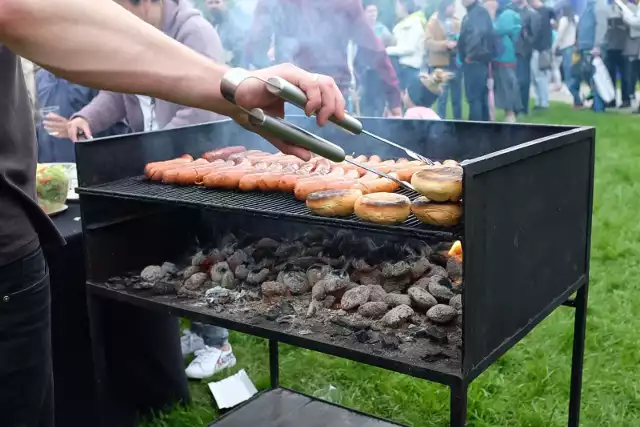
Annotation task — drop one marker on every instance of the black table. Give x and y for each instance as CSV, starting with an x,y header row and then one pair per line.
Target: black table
x,y
72,359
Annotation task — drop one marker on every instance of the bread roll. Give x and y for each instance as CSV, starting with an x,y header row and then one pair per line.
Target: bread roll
x,y
442,214
333,202
383,208
450,162
439,184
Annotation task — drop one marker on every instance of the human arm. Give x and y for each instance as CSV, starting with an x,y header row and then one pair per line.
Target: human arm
x,y
431,43
630,18
414,41
387,37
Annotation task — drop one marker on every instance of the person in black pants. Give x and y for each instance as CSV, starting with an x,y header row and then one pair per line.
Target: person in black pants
x,y
616,37
476,48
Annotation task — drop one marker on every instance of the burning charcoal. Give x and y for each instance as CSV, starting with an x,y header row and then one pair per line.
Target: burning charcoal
x,y
377,293
361,265
355,297
196,281
256,278
419,268
165,288
399,269
437,270
396,284
241,272
455,338
215,256
239,257
373,277
295,281
456,302
432,332
438,289
398,316
169,269
395,300
441,313
373,309
421,299
219,271
152,274
349,323
329,301
190,271
390,342
217,296
454,268
265,247
363,335
271,289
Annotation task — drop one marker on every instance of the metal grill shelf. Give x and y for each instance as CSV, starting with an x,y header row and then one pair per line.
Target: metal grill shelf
x,y
274,205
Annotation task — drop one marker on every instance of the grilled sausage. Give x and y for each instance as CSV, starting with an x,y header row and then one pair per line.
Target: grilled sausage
x,y
270,181
148,169
381,185
171,176
228,179
223,153
158,171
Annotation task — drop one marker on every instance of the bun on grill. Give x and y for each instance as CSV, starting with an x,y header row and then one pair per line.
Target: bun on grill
x,y
442,214
439,184
383,208
333,202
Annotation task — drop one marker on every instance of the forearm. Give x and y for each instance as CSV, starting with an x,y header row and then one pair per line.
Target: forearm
x,y
102,45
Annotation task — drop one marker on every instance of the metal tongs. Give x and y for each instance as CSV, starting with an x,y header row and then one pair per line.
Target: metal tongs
x,y
297,135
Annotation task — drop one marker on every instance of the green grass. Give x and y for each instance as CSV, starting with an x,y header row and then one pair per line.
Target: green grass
x,y
529,386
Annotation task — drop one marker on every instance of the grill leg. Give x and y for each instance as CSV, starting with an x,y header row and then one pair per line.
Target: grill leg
x,y
274,368
458,405
578,355
102,400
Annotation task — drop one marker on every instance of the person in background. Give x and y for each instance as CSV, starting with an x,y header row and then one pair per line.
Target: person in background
x,y
367,77
541,59
315,35
408,52
29,69
566,39
476,49
231,27
614,59
441,40
53,142
530,22
591,32
507,30
632,46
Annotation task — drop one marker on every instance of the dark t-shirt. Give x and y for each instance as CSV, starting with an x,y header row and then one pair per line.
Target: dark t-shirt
x,y
23,225
544,38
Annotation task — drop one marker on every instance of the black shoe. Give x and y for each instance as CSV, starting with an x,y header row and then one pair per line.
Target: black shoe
x,y
611,104
625,104
538,108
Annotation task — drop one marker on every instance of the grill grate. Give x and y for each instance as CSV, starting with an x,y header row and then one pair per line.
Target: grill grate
x,y
274,205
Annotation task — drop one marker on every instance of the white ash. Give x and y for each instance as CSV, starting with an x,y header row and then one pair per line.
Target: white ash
x,y
218,271
190,271
398,316
256,278
295,281
169,269
218,296
377,293
421,299
355,297
273,288
456,302
373,309
395,300
441,313
241,272
329,301
195,281
152,274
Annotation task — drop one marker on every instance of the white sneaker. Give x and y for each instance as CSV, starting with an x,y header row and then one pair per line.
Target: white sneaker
x,y
209,361
190,343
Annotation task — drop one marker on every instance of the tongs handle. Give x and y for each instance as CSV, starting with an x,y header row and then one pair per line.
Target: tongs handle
x,y
295,135
291,93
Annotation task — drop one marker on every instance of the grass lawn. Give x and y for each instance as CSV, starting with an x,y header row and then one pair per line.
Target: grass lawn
x,y
529,386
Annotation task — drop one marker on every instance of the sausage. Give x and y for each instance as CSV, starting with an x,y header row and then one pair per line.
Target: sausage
x,y
171,176
148,169
270,181
159,171
406,173
195,175
381,185
402,160
228,179
223,153
375,159
249,182
323,167
273,169
238,157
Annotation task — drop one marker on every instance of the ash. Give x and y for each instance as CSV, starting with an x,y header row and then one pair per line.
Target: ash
x,y
398,299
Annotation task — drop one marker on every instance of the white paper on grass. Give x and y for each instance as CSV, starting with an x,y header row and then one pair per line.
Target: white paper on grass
x,y
233,390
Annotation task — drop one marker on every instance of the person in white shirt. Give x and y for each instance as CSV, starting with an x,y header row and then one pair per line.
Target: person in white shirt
x,y
408,53
565,41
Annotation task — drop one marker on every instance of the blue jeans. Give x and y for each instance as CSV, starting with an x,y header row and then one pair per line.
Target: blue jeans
x,y
523,71
574,88
455,88
476,76
540,81
213,336
567,58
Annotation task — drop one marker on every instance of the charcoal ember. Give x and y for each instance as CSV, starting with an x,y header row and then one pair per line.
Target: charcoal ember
x,y
241,272
215,256
396,284
398,316
347,322
363,335
272,289
165,287
238,258
456,302
169,269
295,281
373,309
441,313
373,277
265,247
218,296
355,297
190,271
433,332
395,300
420,267
288,250
440,288
195,282
329,301
390,342
398,269
421,299
377,293
317,273
152,274
455,337
437,270
454,268
457,287
361,266
256,278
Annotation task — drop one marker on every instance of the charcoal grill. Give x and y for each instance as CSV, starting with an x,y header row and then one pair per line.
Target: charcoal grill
x,y
528,194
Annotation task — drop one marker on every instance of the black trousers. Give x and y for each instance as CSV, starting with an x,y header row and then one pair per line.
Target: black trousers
x,y
523,71
26,380
616,63
476,76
